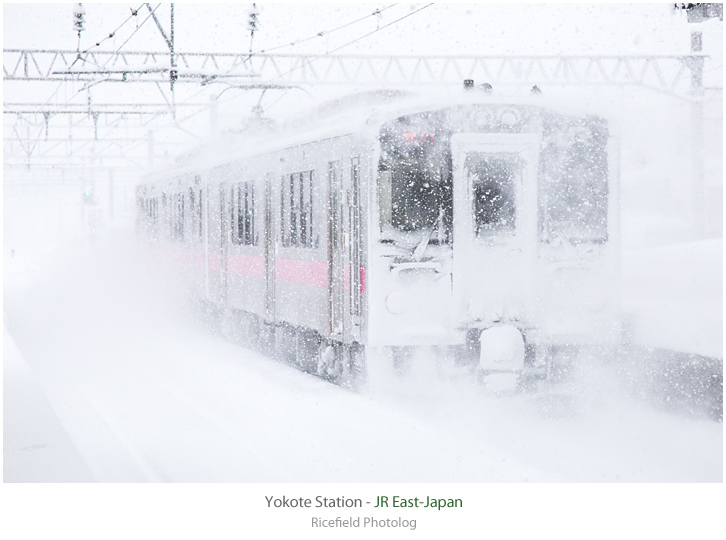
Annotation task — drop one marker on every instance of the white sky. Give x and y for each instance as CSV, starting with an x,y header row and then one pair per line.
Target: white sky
x,y
482,28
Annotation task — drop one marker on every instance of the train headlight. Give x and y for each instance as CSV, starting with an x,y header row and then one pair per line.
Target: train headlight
x,y
509,118
483,118
396,303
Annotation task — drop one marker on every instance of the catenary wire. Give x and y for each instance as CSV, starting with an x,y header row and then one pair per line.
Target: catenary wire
x,y
349,43
134,13
324,32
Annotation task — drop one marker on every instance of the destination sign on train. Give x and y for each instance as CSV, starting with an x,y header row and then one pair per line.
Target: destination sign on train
x,y
417,138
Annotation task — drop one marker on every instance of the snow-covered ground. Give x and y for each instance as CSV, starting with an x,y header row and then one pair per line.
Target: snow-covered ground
x,y
36,447
674,296
135,389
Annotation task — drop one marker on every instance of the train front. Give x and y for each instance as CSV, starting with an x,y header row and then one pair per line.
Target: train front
x,y
495,236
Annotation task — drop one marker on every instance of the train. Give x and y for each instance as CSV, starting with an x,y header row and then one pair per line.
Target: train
x,y
483,227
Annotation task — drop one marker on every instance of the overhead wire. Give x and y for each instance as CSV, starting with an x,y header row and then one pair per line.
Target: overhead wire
x,y
134,13
345,45
151,14
375,13
381,28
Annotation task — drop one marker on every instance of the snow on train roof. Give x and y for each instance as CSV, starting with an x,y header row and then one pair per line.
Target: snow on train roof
x,y
362,113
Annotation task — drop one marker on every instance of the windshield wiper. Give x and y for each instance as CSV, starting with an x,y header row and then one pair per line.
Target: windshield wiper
x,y
420,249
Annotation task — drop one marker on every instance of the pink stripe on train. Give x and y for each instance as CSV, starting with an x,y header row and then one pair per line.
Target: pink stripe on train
x,y
313,273
246,265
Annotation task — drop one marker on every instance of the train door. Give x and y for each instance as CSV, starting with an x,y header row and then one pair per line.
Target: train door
x,y
335,251
212,243
204,232
224,229
495,223
269,252
353,234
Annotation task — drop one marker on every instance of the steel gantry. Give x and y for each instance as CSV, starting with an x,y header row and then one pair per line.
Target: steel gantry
x,y
673,74
123,118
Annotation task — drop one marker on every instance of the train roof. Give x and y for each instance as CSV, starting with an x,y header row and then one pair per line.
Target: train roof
x,y
362,113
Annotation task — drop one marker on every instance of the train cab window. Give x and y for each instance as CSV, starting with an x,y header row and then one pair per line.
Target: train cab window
x,y
297,210
414,181
573,198
243,214
494,179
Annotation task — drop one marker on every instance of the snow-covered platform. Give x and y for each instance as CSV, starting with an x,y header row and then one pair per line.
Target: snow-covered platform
x,y
673,297
36,447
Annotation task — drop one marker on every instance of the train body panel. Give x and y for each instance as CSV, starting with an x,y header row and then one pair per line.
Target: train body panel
x,y
409,225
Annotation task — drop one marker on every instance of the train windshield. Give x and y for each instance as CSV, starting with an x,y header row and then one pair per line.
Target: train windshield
x,y
494,179
414,181
573,196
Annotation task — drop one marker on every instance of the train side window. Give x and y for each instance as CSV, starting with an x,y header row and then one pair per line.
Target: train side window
x,y
165,218
306,209
294,209
250,238
233,217
243,214
297,210
154,214
180,216
176,216
200,214
153,211
192,211
355,180
284,232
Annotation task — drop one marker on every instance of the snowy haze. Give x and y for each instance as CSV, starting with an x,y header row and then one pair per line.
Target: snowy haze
x,y
110,377
147,394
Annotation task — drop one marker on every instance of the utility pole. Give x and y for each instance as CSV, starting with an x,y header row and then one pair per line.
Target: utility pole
x,y
697,139
78,23
173,74
253,23
698,13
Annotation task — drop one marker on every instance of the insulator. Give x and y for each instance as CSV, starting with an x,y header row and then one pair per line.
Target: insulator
x,y
78,17
253,22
